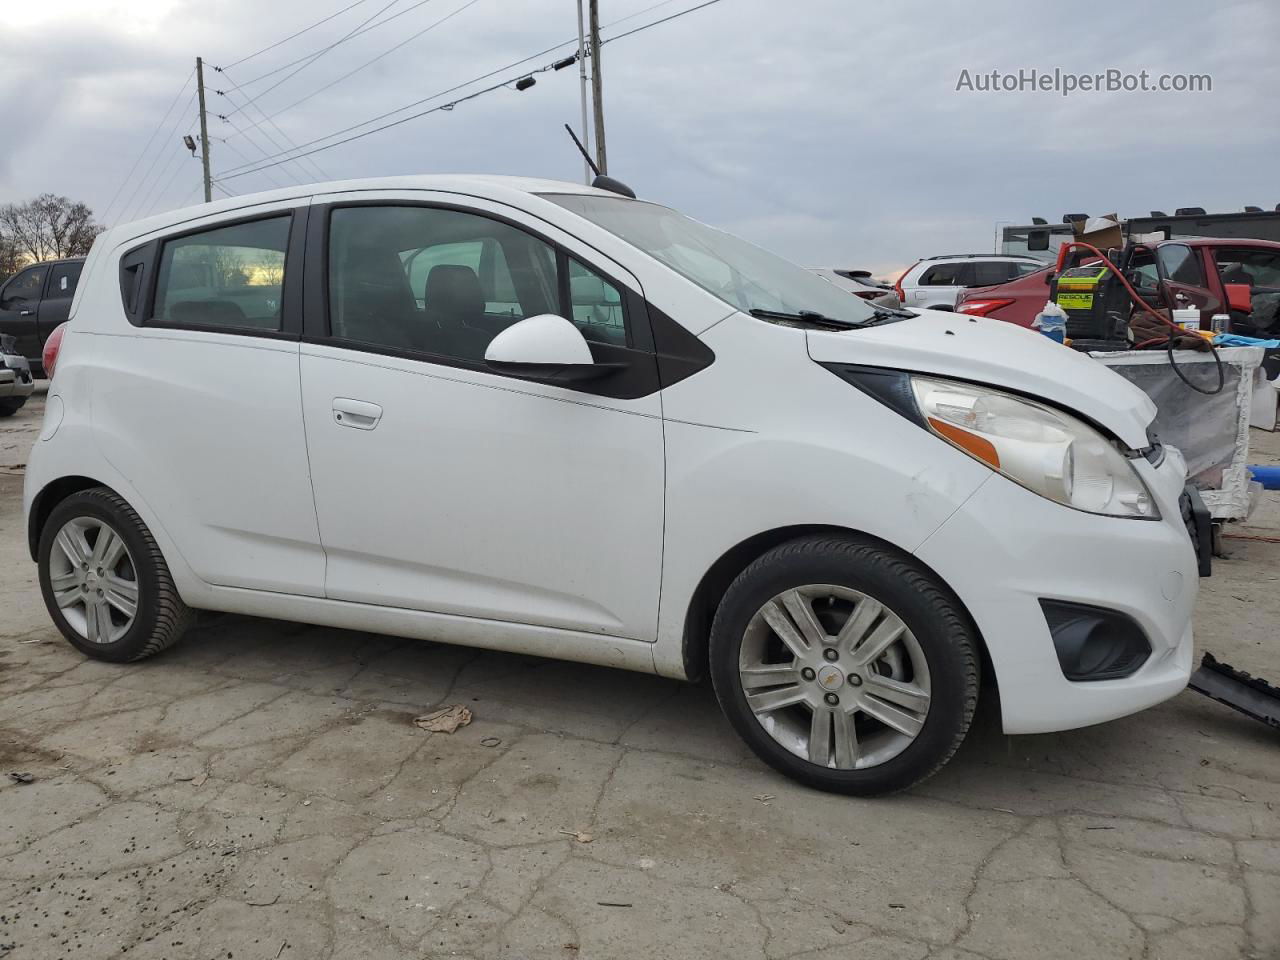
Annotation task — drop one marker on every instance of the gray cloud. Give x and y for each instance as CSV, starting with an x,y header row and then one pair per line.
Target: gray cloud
x,y
827,130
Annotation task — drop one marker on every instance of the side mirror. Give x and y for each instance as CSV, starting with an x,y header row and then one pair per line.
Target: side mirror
x,y
545,347
1239,297
1048,276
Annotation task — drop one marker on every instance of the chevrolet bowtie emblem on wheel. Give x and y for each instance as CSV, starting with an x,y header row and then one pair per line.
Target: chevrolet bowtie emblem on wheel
x,y
830,678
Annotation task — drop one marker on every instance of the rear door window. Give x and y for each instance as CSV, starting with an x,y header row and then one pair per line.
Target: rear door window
x,y
226,278
990,272
942,275
63,278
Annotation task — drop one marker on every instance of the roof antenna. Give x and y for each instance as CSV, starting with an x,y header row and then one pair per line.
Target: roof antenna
x,y
583,150
601,182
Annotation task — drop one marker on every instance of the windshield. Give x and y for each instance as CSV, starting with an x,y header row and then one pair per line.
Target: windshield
x,y
739,273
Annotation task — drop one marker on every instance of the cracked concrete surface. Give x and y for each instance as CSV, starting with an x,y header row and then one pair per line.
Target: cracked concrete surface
x,y
261,792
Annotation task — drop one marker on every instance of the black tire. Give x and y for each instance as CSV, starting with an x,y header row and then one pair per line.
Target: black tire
x,y
161,617
11,405
935,618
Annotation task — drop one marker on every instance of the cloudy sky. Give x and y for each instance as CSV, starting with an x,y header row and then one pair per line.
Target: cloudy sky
x,y
827,130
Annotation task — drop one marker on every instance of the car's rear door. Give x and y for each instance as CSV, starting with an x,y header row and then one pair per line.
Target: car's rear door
x,y
199,408
444,486
56,305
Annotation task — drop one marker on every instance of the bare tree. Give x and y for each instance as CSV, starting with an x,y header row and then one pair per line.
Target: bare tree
x,y
11,261
46,228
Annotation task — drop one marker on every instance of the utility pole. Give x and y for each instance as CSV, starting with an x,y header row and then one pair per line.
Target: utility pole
x,y
597,92
582,89
204,132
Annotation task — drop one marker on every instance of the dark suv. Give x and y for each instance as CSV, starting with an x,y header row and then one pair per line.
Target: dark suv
x,y
34,301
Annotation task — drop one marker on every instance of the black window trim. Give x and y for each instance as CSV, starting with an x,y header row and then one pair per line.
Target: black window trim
x,y
636,312
150,253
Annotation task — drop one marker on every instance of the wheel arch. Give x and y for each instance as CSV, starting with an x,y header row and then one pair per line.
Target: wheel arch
x,y
715,582
52,494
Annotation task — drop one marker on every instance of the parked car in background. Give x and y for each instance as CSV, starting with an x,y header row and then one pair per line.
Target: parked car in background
x,y
550,419
34,301
1240,278
861,284
936,282
15,377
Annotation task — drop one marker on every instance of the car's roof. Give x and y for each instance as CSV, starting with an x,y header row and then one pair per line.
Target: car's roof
x,y
978,256
483,185
1223,242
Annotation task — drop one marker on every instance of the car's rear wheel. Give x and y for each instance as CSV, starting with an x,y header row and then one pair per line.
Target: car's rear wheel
x,y
104,580
845,665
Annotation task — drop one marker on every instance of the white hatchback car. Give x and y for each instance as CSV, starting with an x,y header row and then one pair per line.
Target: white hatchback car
x,y
546,418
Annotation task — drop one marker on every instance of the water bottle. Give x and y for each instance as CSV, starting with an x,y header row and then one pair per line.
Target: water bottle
x,y
1052,322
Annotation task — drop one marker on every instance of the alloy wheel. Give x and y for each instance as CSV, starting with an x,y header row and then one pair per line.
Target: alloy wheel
x,y
834,676
94,580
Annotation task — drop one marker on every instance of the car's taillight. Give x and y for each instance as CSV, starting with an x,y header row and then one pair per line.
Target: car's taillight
x,y
869,294
897,286
51,346
982,308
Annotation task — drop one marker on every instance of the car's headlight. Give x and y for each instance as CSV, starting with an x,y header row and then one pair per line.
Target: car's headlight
x,y
1046,450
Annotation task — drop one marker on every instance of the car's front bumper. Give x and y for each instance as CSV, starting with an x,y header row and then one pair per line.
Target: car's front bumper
x,y
1007,549
15,377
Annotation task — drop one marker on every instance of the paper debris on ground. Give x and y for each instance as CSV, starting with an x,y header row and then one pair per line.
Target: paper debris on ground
x,y
446,720
580,835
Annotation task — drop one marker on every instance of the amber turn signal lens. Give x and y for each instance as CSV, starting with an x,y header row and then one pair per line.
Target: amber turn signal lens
x,y
980,447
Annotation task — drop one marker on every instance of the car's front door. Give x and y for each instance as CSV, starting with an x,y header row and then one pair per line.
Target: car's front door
x,y
441,485
1184,279
19,307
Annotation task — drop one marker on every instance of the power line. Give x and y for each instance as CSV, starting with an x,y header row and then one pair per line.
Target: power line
x,y
146,146
288,171
235,172
654,23
266,176
321,53
293,36
367,63
159,193
128,207
258,125
434,96
359,33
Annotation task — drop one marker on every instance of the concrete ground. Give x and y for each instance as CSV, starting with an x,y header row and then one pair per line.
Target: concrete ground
x,y
261,792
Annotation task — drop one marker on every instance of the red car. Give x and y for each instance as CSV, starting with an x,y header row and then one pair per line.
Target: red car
x,y
1237,277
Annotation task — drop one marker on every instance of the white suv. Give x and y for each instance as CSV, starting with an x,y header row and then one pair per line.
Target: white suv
x,y
545,418
936,282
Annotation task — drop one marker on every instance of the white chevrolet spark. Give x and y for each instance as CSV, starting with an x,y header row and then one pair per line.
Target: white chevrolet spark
x,y
546,418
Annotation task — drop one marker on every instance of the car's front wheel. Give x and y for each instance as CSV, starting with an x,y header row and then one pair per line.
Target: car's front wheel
x,y
11,405
845,665
104,580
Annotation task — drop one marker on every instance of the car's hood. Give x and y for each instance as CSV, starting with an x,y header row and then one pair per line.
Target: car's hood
x,y
998,354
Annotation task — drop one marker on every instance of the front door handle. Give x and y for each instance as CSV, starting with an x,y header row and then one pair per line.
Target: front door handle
x,y
356,413
25,313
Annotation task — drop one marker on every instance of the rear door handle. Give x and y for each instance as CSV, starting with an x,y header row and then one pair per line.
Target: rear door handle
x,y
356,413
25,313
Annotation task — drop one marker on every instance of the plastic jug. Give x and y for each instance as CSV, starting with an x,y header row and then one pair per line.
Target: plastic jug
x,y
1052,322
